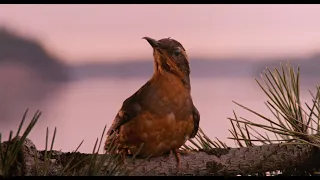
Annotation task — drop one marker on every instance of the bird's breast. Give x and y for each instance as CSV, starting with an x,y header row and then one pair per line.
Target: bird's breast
x,y
171,104
158,134
168,92
165,120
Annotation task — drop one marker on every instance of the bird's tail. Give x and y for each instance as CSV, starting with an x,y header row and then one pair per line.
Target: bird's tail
x,y
112,143
113,146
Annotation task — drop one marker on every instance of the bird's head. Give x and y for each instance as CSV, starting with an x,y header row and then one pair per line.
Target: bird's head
x,y
170,55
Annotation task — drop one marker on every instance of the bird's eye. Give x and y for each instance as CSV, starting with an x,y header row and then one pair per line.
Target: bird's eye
x,y
176,52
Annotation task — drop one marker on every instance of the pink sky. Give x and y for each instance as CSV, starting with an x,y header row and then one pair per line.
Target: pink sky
x,y
112,32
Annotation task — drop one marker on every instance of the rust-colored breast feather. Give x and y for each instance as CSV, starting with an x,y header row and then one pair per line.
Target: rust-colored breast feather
x,y
158,136
161,116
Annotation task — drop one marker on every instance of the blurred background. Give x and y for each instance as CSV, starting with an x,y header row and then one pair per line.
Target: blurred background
x,y
77,63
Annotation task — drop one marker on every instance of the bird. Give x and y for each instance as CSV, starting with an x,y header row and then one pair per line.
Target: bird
x,y
160,116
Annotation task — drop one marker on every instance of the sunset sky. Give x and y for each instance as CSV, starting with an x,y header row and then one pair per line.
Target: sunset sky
x,y
79,33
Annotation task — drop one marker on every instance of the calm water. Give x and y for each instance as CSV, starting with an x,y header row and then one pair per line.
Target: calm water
x,y
80,109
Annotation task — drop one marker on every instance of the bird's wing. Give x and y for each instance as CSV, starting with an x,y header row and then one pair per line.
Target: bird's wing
x,y
196,121
130,109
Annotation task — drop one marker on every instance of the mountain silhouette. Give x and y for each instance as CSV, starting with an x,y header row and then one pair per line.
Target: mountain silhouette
x,y
21,50
15,49
200,68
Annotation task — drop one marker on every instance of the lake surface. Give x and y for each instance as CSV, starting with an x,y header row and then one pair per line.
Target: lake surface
x,y
81,109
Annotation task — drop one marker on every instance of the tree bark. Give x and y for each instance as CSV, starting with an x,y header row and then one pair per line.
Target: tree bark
x,y
227,162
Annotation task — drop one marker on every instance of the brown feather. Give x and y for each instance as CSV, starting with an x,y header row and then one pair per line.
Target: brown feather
x,y
161,114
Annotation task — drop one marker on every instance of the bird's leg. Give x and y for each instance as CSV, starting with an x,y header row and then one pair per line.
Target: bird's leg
x,y
177,155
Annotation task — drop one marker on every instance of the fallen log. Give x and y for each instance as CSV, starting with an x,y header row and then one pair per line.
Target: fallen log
x,y
219,161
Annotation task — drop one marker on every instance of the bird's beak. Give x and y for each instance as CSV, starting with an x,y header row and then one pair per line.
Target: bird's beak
x,y
154,43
